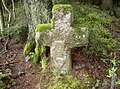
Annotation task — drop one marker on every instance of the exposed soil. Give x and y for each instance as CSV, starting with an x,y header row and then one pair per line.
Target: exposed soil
x,y
26,74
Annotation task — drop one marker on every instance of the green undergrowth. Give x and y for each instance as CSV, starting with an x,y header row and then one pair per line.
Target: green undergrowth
x,y
18,32
18,29
65,82
100,39
21,18
117,12
2,83
5,79
50,81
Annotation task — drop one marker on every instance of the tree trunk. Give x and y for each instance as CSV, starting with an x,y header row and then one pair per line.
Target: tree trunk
x,y
13,9
107,4
37,11
27,4
2,24
116,3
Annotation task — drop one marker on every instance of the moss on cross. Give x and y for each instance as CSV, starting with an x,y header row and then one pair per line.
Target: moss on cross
x,y
43,27
59,6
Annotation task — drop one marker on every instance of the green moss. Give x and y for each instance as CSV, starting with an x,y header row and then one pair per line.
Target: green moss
x,y
58,6
29,47
36,58
43,49
44,59
43,27
52,23
39,51
44,63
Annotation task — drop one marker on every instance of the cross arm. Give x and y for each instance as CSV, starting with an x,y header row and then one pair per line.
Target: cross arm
x,y
43,38
43,34
77,38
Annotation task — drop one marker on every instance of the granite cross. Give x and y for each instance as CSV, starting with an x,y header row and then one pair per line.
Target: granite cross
x,y
61,38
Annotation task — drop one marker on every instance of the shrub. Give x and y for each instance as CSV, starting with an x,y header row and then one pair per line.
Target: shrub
x,y
70,82
117,11
18,32
100,40
5,79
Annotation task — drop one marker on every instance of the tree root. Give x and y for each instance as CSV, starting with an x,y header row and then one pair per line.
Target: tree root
x,y
5,46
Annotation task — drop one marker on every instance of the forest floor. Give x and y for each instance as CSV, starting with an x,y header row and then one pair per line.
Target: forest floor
x,y
26,75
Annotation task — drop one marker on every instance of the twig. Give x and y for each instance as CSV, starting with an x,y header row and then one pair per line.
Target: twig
x,y
112,82
114,75
13,9
5,45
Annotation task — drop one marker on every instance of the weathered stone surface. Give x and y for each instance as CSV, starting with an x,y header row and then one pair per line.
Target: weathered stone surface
x,y
60,56
61,38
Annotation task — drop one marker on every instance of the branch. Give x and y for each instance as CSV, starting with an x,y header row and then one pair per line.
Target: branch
x,y
7,11
13,9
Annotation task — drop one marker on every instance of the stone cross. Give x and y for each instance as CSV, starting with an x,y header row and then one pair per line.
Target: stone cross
x,y
61,38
